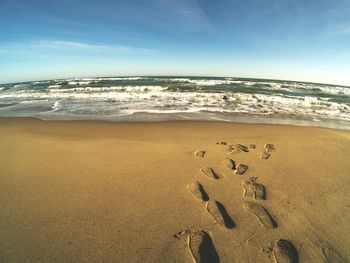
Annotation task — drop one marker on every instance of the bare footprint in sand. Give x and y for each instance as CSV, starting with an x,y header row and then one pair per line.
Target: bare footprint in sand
x,y
253,189
198,191
285,252
219,214
209,172
199,154
200,246
241,169
264,155
260,212
229,163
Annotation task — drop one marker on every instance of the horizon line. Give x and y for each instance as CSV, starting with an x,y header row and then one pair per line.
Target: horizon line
x,y
175,76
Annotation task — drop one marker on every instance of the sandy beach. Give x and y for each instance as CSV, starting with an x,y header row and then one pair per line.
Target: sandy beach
x,y
90,191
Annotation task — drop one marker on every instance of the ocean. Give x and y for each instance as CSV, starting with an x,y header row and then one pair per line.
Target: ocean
x,y
179,98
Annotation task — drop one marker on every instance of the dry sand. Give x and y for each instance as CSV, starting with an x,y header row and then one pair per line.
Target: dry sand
x,y
116,192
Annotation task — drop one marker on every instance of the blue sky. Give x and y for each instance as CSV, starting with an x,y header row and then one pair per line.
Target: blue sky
x,y
281,39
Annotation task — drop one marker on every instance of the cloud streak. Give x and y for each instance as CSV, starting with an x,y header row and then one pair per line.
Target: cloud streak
x,y
73,46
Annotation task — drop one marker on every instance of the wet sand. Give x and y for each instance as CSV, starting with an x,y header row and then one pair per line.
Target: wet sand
x,y
89,191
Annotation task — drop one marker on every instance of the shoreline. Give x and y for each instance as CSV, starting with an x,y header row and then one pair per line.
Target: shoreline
x,y
139,118
104,191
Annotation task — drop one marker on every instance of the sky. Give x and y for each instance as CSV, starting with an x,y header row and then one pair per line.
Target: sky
x,y
306,40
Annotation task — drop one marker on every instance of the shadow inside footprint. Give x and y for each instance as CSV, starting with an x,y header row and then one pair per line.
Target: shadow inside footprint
x,y
207,251
209,172
219,213
227,219
205,196
261,213
200,154
253,189
242,147
264,155
229,163
241,169
269,147
198,191
200,245
284,251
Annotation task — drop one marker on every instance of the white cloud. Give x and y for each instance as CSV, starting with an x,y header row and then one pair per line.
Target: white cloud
x,y
67,45
62,44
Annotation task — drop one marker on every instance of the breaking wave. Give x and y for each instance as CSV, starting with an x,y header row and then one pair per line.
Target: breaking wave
x,y
103,98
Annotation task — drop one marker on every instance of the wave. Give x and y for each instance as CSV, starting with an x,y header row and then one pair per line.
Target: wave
x,y
55,89
123,96
137,100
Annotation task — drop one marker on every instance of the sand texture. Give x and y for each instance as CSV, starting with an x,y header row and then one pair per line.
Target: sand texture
x,y
88,191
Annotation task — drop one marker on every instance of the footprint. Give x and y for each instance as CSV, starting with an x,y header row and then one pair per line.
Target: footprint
x,y
199,154
222,143
285,252
229,163
264,155
210,173
219,213
200,246
258,190
252,146
198,191
241,169
260,213
242,147
237,148
269,147
253,189
246,189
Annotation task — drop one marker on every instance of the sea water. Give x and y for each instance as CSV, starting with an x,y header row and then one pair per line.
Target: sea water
x,y
179,98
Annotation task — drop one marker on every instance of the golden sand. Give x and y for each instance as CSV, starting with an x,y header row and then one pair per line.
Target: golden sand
x,y
86,191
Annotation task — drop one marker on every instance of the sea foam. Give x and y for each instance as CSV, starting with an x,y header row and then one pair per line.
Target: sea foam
x,y
112,97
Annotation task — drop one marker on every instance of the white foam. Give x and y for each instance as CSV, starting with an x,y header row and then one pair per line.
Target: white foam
x,y
106,78
77,90
57,105
55,86
203,82
33,101
249,83
87,99
41,82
